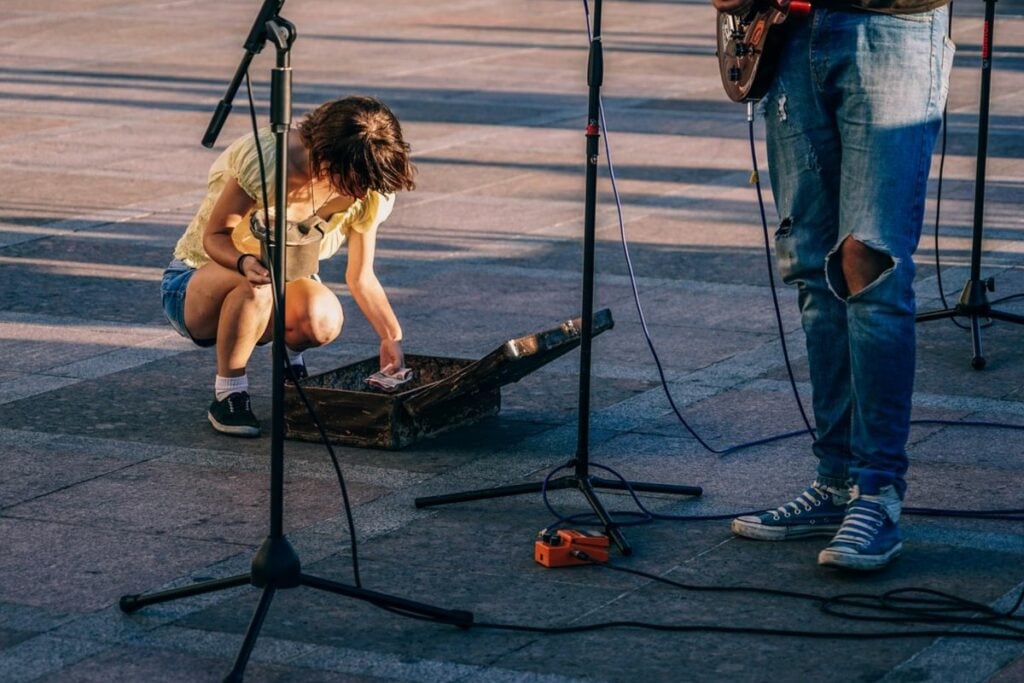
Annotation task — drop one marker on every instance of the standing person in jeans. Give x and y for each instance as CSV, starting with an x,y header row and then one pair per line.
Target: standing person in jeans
x,y
852,116
346,160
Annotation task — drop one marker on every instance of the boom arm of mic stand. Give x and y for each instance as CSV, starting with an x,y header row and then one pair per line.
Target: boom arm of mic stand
x,y
253,46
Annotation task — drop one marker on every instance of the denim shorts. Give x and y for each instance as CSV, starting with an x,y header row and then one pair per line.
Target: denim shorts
x,y
172,293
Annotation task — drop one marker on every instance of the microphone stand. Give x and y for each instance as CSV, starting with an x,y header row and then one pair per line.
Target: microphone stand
x,y
276,565
973,302
581,479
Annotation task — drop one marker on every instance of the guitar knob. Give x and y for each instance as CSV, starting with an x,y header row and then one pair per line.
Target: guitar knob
x,y
742,49
734,73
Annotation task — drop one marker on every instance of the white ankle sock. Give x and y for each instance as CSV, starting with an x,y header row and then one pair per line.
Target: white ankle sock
x,y
294,357
225,386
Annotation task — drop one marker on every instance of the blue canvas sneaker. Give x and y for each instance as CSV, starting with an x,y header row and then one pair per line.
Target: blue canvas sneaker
x,y
818,511
870,536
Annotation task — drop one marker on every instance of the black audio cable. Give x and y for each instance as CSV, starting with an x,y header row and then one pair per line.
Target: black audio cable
x,y
937,614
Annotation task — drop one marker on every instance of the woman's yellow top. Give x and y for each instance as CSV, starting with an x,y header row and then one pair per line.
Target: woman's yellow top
x,y
240,161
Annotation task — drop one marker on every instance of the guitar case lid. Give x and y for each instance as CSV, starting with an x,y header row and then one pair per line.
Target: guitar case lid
x,y
509,363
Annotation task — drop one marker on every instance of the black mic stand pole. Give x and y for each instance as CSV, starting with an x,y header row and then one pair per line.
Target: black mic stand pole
x,y
276,565
581,478
973,302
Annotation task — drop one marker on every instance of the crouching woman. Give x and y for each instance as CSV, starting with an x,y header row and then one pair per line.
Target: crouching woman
x,y
346,161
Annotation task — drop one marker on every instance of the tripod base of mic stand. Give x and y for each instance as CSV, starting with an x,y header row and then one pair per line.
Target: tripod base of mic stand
x,y
974,305
276,566
586,486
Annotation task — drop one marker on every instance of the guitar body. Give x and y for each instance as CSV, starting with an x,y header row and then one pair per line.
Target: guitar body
x,y
747,49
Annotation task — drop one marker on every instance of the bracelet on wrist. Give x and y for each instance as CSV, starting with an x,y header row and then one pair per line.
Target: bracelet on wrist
x,y
238,263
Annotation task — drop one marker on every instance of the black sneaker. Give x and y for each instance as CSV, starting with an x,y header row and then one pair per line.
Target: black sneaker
x,y
233,415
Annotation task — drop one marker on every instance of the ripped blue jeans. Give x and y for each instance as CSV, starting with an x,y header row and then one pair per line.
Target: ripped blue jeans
x,y
852,117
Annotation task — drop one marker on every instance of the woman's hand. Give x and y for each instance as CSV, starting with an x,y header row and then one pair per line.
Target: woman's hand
x,y
371,299
252,270
391,356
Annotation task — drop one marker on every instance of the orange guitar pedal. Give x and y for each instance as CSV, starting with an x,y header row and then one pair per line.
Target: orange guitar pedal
x,y
555,549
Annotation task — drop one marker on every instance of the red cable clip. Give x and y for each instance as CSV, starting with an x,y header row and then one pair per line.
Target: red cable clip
x,y
800,8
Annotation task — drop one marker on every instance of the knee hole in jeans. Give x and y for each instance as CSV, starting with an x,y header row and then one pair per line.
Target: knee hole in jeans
x,y
853,266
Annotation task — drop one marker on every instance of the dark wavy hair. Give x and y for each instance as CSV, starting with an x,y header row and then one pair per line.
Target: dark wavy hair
x,y
359,140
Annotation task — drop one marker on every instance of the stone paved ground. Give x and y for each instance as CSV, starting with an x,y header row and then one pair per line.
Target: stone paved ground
x,y
113,483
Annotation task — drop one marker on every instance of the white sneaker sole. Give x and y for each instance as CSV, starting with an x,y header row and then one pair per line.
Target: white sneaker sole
x,y
236,430
763,532
862,563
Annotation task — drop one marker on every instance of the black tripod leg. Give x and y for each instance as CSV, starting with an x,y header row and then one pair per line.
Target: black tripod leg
x,y
132,603
978,360
613,531
937,315
1007,317
646,487
458,618
251,634
498,492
